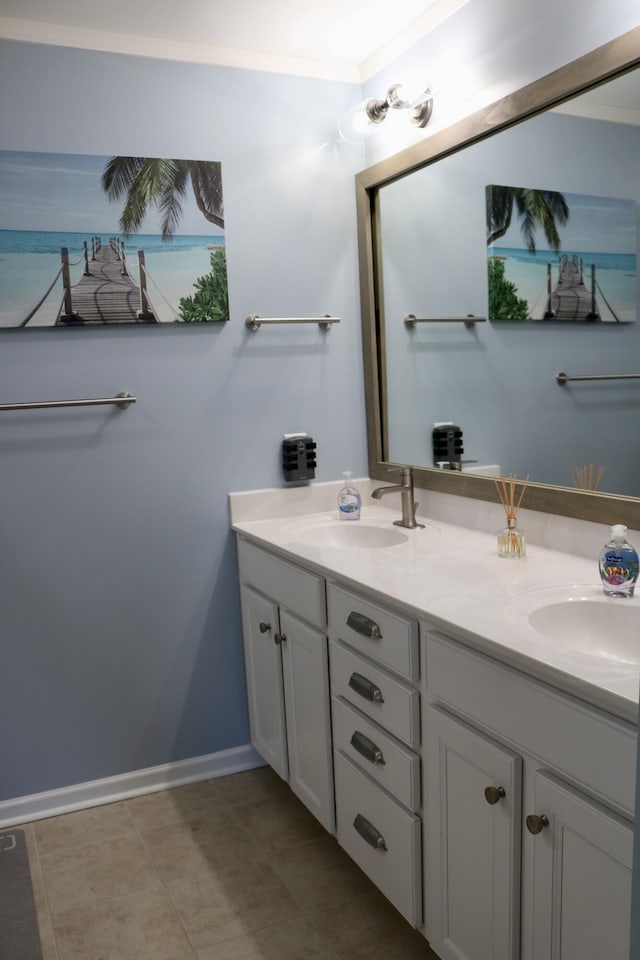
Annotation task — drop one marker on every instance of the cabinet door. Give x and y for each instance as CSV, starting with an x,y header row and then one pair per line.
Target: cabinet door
x,y
473,796
306,683
263,668
580,865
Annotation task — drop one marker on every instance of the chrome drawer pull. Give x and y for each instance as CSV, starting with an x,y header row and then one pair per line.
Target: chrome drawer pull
x,y
363,625
369,833
365,688
367,748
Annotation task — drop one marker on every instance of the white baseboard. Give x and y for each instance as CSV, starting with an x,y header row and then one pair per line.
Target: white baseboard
x,y
50,803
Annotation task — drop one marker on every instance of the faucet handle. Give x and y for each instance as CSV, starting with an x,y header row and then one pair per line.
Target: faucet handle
x,y
406,471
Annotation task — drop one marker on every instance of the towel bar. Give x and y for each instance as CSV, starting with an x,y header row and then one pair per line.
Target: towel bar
x,y
122,400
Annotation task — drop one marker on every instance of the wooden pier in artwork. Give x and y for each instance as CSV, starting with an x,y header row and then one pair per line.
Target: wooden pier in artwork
x,y
570,299
106,292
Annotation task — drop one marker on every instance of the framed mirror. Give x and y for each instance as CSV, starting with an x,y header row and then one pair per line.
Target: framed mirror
x,y
427,251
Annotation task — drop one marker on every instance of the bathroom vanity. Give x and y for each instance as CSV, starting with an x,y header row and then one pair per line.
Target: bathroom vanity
x,y
480,774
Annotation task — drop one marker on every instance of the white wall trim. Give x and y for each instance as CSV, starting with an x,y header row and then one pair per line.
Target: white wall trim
x,y
93,793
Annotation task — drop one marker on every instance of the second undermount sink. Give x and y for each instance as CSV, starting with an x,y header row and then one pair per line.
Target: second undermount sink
x,y
581,619
349,535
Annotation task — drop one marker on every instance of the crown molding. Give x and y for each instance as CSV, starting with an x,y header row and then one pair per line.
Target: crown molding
x,y
437,13
31,31
137,45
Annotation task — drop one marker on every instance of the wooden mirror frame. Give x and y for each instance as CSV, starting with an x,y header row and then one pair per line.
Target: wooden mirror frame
x,y
605,63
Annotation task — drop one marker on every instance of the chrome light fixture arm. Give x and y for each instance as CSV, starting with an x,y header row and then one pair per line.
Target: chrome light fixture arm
x,y
419,110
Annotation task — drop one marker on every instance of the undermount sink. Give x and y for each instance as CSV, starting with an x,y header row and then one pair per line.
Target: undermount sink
x,y
583,620
349,535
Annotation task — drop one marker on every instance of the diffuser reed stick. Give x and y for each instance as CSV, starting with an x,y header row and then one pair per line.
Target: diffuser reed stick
x,y
511,540
584,479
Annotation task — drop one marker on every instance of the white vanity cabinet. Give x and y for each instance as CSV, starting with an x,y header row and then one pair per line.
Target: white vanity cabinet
x,y
287,673
529,797
374,659
492,806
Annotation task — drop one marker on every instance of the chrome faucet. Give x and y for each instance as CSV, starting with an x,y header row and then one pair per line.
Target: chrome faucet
x,y
405,489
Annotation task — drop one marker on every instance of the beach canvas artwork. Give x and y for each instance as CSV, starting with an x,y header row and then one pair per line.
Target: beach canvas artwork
x,y
558,256
91,241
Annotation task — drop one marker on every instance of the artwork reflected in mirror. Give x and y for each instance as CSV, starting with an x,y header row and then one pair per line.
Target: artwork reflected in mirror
x,y
90,241
554,255
497,381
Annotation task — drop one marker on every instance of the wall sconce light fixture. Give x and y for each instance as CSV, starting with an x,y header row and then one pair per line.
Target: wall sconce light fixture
x,y
368,116
419,107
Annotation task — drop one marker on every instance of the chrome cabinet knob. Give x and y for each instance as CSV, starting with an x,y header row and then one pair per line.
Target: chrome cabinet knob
x,y
536,824
264,627
494,795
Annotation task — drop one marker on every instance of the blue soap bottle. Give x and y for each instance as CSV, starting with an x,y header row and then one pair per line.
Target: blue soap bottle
x,y
349,500
618,564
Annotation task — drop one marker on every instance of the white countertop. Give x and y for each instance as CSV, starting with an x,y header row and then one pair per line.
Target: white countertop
x,y
452,578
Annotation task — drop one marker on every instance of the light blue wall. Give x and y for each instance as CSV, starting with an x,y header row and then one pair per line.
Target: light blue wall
x,y
120,634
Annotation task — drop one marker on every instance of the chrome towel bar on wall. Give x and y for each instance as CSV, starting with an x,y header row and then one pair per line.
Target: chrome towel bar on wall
x,y
122,400
469,321
254,322
563,378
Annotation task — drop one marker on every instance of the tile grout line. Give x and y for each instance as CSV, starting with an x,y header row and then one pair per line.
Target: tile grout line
x,y
269,855
266,855
45,893
305,913
160,880
308,914
132,829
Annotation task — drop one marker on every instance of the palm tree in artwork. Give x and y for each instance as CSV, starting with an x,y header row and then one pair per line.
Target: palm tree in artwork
x,y
153,182
535,208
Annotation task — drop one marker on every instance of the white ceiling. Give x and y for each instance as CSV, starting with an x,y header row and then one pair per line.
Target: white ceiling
x,y
337,39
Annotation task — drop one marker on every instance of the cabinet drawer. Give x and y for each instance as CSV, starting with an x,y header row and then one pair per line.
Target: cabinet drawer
x,y
389,638
390,702
382,838
570,736
293,587
391,764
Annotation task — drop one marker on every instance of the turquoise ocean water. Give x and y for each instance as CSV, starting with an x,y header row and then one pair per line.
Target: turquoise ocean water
x,y
30,259
616,276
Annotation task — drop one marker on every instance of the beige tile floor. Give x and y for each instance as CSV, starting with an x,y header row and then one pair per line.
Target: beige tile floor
x,y
227,869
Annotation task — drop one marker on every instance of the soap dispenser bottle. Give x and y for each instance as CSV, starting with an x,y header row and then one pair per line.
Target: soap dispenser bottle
x,y
349,500
618,564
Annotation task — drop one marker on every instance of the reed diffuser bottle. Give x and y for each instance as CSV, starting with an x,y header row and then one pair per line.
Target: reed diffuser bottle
x,y
511,539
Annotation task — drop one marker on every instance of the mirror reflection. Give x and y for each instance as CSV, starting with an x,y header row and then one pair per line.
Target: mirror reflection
x,y
496,381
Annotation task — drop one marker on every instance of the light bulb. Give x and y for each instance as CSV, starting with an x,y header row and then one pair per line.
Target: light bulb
x,y
356,125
